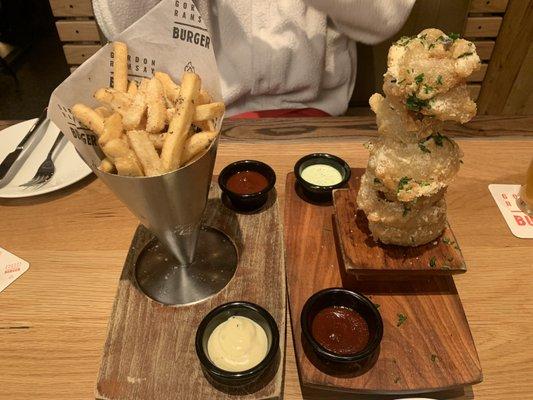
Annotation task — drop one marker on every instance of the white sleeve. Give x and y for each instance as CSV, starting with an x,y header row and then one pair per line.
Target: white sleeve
x,y
367,21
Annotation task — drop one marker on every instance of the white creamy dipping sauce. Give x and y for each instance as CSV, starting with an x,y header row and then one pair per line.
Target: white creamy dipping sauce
x,y
321,175
237,344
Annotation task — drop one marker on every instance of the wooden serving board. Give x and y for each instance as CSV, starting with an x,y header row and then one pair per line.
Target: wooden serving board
x,y
431,350
364,256
150,351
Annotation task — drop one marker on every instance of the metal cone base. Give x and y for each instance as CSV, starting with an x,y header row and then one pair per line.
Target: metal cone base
x,y
161,278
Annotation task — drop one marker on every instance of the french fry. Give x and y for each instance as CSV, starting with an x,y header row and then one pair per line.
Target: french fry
x,y
181,122
106,166
211,125
172,91
208,125
143,85
132,88
145,151
157,139
88,117
196,144
203,98
133,117
157,112
117,101
120,66
125,160
170,113
208,111
102,111
112,129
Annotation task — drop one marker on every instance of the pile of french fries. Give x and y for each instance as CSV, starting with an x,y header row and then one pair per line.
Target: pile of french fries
x,y
153,127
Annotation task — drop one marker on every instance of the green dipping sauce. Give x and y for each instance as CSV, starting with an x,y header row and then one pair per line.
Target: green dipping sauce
x,y
321,175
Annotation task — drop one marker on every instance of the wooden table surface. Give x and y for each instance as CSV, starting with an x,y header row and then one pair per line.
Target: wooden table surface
x,y
53,319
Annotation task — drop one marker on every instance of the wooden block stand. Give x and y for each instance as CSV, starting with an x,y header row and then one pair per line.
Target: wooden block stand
x,y
367,258
150,351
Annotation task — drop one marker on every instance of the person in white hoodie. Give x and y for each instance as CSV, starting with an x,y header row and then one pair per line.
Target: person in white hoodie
x,y
280,57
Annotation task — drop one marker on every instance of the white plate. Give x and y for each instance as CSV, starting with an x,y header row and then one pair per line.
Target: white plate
x,y
70,168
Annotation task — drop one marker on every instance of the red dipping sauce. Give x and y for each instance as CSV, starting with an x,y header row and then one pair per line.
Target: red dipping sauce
x,y
246,182
340,330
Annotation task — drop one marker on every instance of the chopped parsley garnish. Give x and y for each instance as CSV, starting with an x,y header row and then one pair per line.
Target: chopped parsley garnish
x,y
413,103
401,319
424,183
438,138
433,262
377,181
468,53
431,46
419,78
405,210
454,36
423,148
434,357
427,89
422,37
439,80
403,182
376,305
404,40
402,81
447,241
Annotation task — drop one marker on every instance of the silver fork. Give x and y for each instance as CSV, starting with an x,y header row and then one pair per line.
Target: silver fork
x,y
46,169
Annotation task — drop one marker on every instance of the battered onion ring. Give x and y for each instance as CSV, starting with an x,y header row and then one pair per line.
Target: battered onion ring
x,y
395,122
414,170
423,210
417,236
428,73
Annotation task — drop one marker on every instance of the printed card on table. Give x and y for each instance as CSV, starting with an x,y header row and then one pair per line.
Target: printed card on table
x,y
521,225
11,267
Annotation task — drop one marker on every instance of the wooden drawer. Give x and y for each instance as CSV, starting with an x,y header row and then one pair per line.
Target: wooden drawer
x,y
484,48
482,27
72,8
474,90
488,6
478,75
77,31
78,53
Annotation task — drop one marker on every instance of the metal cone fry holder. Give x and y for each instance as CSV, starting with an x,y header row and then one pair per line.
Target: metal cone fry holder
x,y
187,262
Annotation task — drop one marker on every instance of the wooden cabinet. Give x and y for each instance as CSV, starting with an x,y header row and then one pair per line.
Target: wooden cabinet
x,y
77,30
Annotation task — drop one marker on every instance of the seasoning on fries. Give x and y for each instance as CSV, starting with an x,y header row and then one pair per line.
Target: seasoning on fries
x,y
150,127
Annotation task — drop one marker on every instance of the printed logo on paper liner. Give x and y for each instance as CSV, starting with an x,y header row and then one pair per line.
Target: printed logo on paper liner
x,y
188,25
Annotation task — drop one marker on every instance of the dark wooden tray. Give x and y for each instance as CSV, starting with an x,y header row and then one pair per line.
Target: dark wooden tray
x,y
364,256
431,350
150,353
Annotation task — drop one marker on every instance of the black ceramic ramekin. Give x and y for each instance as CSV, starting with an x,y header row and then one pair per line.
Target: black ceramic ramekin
x,y
350,299
253,201
315,192
222,314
